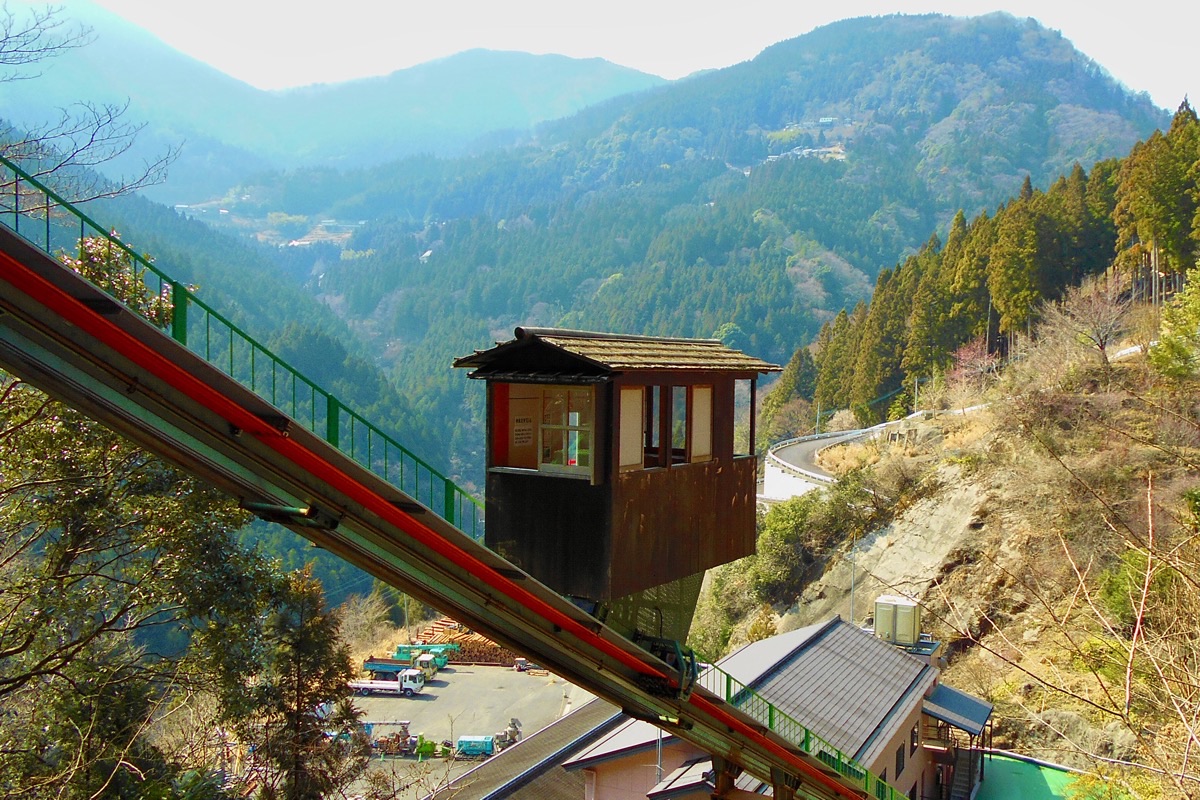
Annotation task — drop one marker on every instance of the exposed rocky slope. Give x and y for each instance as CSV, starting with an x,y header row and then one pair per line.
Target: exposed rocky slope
x,y
1025,531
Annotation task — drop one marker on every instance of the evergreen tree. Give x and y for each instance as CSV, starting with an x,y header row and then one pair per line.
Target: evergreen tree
x,y
836,354
971,313
1012,268
929,329
878,367
1156,201
1177,354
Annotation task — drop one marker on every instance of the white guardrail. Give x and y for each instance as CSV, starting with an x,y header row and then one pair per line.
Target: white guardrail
x,y
783,480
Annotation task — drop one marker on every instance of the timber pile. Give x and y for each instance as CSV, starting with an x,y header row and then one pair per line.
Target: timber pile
x,y
473,648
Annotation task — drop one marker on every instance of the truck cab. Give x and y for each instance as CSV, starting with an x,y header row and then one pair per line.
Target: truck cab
x,y
411,681
426,664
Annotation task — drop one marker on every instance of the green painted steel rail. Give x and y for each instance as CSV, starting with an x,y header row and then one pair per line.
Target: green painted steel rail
x,y
751,703
47,221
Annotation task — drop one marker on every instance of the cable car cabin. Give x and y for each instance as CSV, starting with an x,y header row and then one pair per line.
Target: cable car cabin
x,y
610,458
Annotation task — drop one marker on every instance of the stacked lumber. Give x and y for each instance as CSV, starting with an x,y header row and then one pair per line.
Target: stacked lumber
x,y
473,648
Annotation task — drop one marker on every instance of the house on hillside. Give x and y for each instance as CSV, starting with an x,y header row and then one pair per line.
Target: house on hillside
x,y
869,699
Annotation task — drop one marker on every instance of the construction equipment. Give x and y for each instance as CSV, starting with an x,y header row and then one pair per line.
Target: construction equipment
x,y
474,747
509,736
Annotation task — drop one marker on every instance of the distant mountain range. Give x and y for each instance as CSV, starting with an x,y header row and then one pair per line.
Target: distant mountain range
x,y
756,200
459,199
230,128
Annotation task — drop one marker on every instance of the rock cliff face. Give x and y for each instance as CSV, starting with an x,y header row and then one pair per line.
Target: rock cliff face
x,y
1049,540
910,556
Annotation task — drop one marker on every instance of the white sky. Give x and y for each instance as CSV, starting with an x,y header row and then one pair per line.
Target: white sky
x,y
1148,45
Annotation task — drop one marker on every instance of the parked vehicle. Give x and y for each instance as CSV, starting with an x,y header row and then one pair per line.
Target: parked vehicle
x,y
407,682
474,746
441,652
384,669
427,663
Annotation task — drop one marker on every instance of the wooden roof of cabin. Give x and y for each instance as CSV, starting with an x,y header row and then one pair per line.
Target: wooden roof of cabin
x,y
586,355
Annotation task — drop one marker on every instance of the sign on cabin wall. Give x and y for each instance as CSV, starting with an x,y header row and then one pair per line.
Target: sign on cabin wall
x,y
522,432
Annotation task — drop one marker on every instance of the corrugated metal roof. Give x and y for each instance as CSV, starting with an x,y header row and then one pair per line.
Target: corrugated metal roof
x,y
749,663
848,687
959,709
612,352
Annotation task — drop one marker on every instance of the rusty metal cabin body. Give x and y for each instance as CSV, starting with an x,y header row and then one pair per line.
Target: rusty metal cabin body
x,y
610,462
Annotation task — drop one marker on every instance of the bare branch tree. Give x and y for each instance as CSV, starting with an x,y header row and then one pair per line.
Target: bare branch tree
x,y
65,152
33,37
1095,314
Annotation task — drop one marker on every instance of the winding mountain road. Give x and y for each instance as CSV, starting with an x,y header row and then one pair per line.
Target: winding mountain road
x,y
791,466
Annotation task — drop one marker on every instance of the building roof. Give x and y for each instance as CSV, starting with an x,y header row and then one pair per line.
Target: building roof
x,y
531,769
819,676
631,737
688,779
1008,776
850,688
959,709
556,354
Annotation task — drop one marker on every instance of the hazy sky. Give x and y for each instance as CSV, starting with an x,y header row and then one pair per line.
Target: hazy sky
x,y
1149,45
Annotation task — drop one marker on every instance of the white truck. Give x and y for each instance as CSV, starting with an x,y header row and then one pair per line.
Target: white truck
x,y
408,682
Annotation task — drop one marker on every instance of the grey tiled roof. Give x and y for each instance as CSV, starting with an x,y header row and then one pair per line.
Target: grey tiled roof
x,y
848,687
688,778
622,353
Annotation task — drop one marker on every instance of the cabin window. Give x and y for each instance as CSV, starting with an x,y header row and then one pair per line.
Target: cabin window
x,y
544,428
566,430
652,421
665,425
679,424
632,427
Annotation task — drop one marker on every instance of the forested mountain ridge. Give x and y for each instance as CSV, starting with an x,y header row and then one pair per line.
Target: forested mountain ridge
x,y
228,128
758,200
965,304
1043,506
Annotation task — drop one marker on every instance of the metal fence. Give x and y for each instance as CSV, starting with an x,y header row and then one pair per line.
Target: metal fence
x,y
750,702
46,220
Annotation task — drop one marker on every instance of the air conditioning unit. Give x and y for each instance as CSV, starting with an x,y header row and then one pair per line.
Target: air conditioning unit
x,y
897,619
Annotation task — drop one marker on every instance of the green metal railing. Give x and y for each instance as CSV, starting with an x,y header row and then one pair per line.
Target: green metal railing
x,y
47,221
751,703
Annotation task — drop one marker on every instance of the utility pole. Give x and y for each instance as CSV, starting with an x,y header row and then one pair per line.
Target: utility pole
x,y
853,570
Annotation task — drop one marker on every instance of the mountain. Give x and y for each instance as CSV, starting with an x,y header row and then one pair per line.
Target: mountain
x,y
229,128
759,199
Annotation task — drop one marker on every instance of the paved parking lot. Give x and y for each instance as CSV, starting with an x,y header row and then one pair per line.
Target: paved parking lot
x,y
466,701
474,701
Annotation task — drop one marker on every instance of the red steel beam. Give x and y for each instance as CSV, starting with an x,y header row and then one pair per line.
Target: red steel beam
x,y
104,330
